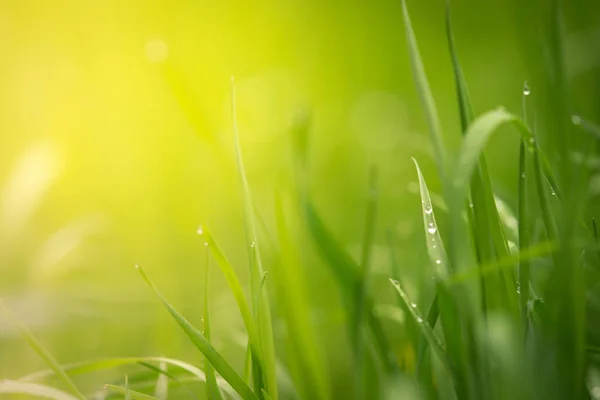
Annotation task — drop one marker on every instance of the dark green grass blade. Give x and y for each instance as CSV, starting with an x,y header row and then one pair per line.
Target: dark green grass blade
x,y
130,394
8,387
218,362
264,326
425,95
307,364
212,388
524,235
41,351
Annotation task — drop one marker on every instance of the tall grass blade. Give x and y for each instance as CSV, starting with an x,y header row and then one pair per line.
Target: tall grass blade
x,y
161,390
41,351
309,373
264,326
218,362
524,238
587,126
212,389
425,95
8,387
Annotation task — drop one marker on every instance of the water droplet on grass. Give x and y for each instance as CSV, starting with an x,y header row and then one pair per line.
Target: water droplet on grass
x,y
526,89
576,120
205,244
413,305
200,230
428,209
438,262
419,320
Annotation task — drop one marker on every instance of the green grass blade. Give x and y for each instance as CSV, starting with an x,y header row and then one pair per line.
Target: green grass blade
x,y
218,362
41,351
524,238
309,372
434,342
130,394
8,387
265,395
161,390
425,95
127,391
212,389
587,126
264,326
236,288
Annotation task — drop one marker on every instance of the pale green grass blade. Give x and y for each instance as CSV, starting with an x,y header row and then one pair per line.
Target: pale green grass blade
x,y
8,387
127,391
130,394
264,326
427,100
161,390
524,235
218,362
212,388
265,395
587,126
41,351
236,288
434,342
310,375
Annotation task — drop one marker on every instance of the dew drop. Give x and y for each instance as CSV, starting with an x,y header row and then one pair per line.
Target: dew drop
x,y
413,305
253,244
438,262
394,281
576,120
200,230
434,246
205,244
553,193
137,266
419,320
526,89
471,205
523,175
428,209
432,229
518,289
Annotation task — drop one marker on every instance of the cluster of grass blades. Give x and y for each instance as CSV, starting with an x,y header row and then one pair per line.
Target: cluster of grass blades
x,y
492,330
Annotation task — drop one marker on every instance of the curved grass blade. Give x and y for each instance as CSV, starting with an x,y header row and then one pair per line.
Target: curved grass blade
x,y
218,362
434,342
41,351
425,95
212,389
9,387
130,394
264,327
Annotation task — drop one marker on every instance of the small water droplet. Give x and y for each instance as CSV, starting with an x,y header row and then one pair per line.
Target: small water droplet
x,y
438,262
432,229
419,320
471,205
434,246
137,266
413,305
523,175
200,230
394,281
576,120
205,244
253,244
428,209
526,89
553,193
518,289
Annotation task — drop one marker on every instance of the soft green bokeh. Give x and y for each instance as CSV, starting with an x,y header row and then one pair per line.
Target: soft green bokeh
x,y
116,144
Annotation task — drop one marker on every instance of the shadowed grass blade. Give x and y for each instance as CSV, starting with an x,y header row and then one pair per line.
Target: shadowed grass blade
x,y
41,351
130,394
218,362
264,327
9,387
427,101
212,389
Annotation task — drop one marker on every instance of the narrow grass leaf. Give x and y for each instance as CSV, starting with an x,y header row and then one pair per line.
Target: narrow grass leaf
x,y
524,235
161,390
264,326
9,387
212,389
130,394
427,100
41,351
587,126
218,362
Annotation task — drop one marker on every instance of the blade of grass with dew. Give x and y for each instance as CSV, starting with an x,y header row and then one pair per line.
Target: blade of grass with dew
x,y
524,239
237,290
10,387
357,330
310,374
587,126
130,394
434,342
41,351
264,326
218,362
425,95
212,389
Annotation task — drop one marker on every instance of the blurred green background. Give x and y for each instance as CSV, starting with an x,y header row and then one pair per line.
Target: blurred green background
x,y
116,144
